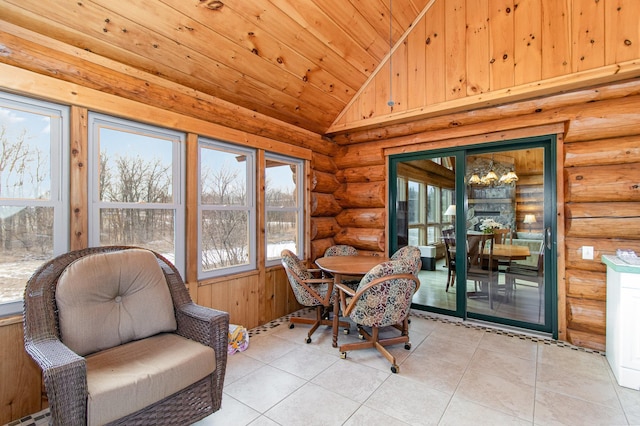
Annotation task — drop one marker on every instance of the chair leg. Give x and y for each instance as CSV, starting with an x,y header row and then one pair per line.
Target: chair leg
x,y
372,340
316,322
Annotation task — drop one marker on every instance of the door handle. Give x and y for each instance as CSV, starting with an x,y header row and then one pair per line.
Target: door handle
x,y
547,232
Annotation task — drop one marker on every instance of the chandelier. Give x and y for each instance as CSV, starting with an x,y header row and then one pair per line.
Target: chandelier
x,y
487,174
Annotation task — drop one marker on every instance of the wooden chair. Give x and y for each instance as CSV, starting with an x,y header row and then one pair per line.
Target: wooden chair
x,y
310,289
479,266
503,236
449,240
115,331
383,299
531,274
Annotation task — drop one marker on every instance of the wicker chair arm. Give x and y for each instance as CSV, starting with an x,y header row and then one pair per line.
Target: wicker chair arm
x,y
209,327
65,377
202,324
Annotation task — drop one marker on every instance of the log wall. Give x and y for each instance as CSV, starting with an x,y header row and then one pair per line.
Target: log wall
x,y
598,181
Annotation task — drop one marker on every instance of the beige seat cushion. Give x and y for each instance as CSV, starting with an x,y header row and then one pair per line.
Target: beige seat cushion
x,y
127,378
107,299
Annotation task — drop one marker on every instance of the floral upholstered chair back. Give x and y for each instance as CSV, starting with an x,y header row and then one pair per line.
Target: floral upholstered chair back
x,y
341,250
410,255
297,273
384,295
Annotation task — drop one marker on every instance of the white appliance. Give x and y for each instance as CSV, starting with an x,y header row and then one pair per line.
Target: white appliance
x,y
623,319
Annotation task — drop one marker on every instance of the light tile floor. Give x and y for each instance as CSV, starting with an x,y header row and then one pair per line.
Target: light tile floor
x,y
454,374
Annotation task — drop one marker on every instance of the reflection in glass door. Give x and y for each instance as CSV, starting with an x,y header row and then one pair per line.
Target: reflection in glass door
x,y
424,213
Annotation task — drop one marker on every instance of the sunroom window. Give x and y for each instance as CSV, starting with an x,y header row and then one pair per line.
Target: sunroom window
x,y
33,197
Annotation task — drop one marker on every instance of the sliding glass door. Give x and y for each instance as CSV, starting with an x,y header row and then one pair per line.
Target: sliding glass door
x,y
484,220
424,210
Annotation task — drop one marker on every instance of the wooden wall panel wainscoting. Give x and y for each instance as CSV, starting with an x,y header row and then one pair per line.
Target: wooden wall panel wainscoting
x,y
21,382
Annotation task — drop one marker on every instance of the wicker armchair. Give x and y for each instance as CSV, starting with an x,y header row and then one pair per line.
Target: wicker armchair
x,y
68,376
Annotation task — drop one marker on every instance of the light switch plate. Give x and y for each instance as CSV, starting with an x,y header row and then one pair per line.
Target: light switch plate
x,y
587,252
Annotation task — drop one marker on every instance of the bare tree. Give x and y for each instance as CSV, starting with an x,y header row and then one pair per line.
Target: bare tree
x,y
223,232
135,180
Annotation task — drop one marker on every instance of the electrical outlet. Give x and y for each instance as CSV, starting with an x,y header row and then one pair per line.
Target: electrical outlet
x,y
587,252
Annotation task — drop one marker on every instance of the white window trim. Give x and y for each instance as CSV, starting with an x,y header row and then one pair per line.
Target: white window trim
x,y
300,192
97,120
249,207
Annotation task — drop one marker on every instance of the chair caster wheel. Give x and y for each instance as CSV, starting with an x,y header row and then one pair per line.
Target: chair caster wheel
x,y
395,369
307,340
346,331
291,325
361,336
343,355
407,346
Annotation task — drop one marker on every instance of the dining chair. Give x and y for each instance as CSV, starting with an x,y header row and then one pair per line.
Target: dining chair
x,y
531,274
411,255
341,250
382,299
310,289
449,240
503,236
344,250
480,268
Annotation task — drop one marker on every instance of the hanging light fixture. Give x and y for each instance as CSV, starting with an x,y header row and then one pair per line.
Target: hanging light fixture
x,y
509,177
474,179
491,175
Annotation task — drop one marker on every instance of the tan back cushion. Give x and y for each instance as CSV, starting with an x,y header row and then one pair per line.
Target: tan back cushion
x,y
107,299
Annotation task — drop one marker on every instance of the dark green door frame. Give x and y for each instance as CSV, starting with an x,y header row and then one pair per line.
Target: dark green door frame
x,y
548,142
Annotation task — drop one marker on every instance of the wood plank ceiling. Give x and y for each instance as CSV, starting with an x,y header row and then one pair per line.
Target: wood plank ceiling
x,y
299,61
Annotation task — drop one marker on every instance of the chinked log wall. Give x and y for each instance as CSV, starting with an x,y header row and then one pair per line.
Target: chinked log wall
x,y
599,165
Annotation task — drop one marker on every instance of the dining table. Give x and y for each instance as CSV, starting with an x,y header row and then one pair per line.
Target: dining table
x,y
506,252
341,266
501,252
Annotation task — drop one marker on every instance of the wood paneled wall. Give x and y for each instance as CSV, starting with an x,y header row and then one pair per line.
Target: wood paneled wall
x,y
476,53
20,382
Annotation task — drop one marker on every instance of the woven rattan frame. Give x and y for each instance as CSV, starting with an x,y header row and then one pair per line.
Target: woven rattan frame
x,y
64,372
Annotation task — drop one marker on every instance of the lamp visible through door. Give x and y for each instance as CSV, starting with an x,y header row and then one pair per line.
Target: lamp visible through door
x,y
451,210
529,219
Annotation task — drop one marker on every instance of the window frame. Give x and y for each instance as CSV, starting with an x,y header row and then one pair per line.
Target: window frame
x,y
59,174
300,193
95,123
250,207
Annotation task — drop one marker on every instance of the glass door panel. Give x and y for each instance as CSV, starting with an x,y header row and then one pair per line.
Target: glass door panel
x,y
424,214
505,216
